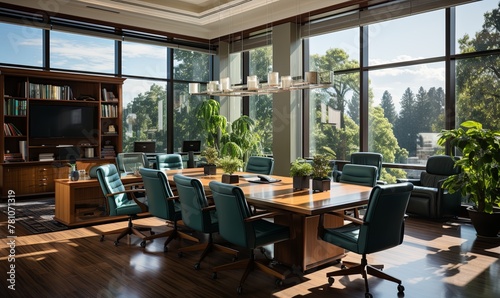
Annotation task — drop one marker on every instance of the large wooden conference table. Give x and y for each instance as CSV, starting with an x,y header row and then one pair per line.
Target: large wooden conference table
x,y
301,210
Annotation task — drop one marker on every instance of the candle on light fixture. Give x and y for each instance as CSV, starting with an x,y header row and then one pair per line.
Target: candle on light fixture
x,y
194,88
312,77
225,84
273,79
213,86
252,83
286,82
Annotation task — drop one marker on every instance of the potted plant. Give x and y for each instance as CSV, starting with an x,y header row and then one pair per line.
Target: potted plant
x,y
74,175
229,165
300,170
211,155
479,173
213,124
320,173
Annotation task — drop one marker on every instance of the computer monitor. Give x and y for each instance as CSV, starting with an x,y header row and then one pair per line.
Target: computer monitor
x,y
145,146
188,146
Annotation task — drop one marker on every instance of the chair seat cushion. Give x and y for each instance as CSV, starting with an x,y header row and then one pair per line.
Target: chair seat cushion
x,y
128,208
267,232
345,236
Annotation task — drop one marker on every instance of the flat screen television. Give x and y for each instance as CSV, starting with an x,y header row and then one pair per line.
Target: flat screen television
x,y
62,121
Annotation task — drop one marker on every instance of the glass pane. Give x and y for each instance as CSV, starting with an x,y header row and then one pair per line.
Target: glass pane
x,y
334,118
21,45
186,125
191,66
471,20
477,91
144,113
405,39
407,112
261,107
81,52
144,60
346,41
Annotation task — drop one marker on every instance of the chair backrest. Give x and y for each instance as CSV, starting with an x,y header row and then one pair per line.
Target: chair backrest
x,y
368,158
110,182
128,162
383,223
359,174
232,210
438,167
169,161
260,165
193,199
158,191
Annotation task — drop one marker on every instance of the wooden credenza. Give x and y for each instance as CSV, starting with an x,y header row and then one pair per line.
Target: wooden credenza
x,y
81,202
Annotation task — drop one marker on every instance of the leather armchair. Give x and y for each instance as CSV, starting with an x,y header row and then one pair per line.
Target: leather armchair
x,y
169,161
428,198
366,158
260,165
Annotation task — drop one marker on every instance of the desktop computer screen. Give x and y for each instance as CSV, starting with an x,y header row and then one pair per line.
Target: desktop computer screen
x,y
145,146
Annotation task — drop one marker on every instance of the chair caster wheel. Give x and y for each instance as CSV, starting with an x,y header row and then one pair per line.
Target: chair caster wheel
x,y
214,275
278,282
143,244
239,290
234,259
343,267
331,280
197,266
116,243
401,288
368,295
180,254
101,239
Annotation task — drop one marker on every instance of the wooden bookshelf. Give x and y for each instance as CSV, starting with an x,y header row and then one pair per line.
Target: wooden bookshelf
x,y
20,88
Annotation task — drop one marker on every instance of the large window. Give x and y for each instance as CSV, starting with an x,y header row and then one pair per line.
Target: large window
x,y
21,45
144,60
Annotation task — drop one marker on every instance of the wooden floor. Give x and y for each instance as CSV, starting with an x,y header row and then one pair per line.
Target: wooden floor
x,y
437,259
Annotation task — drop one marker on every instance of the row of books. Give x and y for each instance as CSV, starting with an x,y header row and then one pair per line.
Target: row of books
x,y
46,157
108,95
43,91
10,130
13,157
108,151
109,110
14,107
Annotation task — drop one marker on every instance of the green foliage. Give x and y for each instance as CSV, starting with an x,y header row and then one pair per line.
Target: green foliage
x,y
479,176
321,166
210,154
231,149
242,134
212,123
300,167
229,164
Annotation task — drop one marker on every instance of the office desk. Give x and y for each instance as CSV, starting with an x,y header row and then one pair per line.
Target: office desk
x,y
304,250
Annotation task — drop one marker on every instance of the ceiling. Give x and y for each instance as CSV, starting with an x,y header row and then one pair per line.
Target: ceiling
x,y
201,19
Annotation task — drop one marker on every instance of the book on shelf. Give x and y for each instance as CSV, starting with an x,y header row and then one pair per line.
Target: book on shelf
x,y
108,95
10,130
13,157
14,107
44,91
46,157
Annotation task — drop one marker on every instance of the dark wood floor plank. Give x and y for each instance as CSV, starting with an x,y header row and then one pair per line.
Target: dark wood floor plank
x,y
437,259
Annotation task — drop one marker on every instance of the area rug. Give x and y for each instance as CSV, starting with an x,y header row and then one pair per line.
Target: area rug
x,y
36,215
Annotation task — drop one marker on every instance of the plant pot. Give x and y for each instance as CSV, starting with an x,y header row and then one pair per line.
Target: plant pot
x,y
321,184
300,182
230,179
74,176
209,169
486,225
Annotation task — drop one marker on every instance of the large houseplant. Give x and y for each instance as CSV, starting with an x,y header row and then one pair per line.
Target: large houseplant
x,y
300,171
479,175
320,174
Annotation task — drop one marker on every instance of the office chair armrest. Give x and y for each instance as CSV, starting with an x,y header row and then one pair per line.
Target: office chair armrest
x,y
127,191
262,216
346,217
208,208
135,184
173,198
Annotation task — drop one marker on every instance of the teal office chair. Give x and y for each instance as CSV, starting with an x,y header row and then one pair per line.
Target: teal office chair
x,y
121,201
361,175
238,226
366,158
162,204
199,216
169,161
381,228
129,162
260,165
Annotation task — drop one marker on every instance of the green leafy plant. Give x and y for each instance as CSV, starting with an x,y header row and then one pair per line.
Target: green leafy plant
x,y
300,167
229,164
212,122
479,175
321,166
211,155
